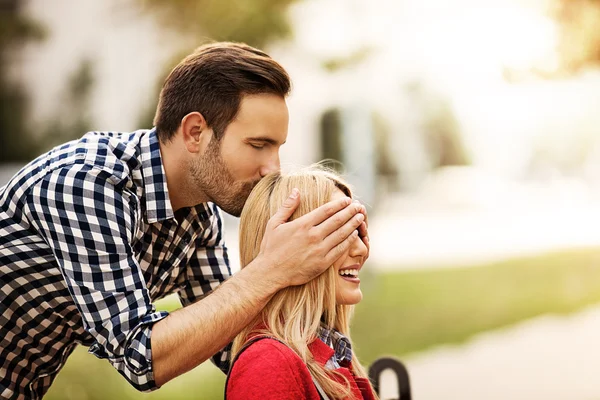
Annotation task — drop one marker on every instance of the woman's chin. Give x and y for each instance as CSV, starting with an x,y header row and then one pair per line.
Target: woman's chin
x,y
349,299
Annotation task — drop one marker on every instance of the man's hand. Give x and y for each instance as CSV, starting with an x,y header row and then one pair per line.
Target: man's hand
x,y
298,251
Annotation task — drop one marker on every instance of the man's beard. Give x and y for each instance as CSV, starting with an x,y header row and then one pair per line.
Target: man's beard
x,y
212,177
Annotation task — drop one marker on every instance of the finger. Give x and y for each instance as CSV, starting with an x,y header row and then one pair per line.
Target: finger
x,y
341,234
364,211
366,216
318,215
338,220
363,232
286,210
367,243
337,251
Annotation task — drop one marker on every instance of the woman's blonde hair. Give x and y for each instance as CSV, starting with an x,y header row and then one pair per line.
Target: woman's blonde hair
x,y
294,314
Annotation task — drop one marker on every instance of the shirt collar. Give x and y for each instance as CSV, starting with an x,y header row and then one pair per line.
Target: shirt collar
x,y
342,349
158,204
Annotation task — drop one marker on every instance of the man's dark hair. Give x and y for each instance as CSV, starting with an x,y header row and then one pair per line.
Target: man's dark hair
x,y
212,81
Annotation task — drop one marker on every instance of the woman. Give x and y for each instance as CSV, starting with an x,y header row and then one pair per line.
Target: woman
x,y
299,346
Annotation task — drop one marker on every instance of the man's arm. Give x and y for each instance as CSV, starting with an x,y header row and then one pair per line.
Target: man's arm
x,y
291,254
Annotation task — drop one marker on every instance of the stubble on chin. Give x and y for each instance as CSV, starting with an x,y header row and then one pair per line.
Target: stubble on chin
x,y
233,202
216,181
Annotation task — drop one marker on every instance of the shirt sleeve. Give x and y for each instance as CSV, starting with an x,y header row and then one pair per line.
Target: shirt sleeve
x,y
88,218
208,267
270,370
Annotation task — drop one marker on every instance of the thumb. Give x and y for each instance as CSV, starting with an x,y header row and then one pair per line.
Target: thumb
x,y
287,208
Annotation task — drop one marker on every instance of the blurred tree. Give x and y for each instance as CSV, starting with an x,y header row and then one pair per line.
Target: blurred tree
x,y
579,45
15,29
72,117
350,60
255,22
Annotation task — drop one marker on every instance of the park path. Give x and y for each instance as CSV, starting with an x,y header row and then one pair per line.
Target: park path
x,y
546,358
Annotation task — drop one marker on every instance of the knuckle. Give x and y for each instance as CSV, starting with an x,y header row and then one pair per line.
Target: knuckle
x,y
339,219
269,226
329,210
342,236
313,236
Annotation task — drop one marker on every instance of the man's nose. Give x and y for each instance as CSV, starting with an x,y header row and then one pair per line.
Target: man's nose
x,y
271,166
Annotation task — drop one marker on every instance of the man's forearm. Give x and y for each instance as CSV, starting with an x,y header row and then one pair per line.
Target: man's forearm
x,y
191,335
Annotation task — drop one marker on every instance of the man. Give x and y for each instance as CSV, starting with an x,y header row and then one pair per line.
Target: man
x,y
92,232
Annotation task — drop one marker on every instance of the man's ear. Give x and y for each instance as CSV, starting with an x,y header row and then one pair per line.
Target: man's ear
x,y
196,133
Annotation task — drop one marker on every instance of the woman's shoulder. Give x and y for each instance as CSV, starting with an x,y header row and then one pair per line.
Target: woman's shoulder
x,y
269,366
270,352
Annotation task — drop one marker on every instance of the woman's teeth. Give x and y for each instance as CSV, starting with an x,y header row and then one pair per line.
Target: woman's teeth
x,y
349,272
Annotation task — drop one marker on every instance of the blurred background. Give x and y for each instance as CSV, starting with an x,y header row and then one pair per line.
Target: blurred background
x,y
471,129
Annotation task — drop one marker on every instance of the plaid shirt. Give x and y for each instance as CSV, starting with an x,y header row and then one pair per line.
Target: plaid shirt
x,y
88,240
342,349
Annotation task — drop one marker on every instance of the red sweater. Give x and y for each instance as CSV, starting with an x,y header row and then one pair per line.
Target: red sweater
x,y
270,370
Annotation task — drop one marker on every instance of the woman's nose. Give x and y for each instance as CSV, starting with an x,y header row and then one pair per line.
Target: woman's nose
x,y
358,248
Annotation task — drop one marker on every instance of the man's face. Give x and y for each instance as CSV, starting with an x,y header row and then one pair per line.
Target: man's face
x,y
248,150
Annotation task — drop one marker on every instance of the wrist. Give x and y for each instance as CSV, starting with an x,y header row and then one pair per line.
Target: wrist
x,y
267,273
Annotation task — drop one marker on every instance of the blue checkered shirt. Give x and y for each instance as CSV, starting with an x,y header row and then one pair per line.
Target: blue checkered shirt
x,y
88,241
342,348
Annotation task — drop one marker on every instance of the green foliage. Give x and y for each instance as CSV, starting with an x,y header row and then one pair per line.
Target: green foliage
x,y
356,57
255,22
86,377
402,312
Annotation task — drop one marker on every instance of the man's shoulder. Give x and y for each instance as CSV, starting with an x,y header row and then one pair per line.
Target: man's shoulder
x,y
98,145
95,148
113,153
